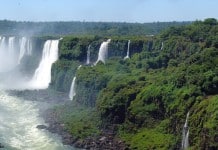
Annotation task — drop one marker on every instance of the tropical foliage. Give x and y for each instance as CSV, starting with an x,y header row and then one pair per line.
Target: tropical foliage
x,y
149,95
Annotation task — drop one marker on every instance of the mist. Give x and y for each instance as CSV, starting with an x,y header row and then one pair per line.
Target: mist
x,y
12,51
20,69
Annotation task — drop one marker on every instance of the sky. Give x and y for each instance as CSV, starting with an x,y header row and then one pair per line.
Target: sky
x,y
141,11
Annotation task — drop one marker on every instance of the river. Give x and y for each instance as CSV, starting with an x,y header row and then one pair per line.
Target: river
x,y
18,120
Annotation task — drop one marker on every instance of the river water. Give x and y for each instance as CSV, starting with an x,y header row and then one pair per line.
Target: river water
x,y
18,120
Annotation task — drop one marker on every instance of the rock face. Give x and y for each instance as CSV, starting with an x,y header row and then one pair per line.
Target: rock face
x,y
1,146
106,140
41,126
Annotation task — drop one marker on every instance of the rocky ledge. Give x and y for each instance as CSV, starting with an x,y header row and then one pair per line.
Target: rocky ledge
x,y
106,140
1,146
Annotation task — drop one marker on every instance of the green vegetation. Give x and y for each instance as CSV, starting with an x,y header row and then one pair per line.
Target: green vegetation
x,y
83,28
148,96
149,139
79,121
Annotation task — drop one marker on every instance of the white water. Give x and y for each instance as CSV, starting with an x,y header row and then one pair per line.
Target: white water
x,y
12,51
7,54
162,46
185,134
18,131
42,76
2,43
72,92
103,52
11,47
79,67
88,55
19,117
25,48
127,54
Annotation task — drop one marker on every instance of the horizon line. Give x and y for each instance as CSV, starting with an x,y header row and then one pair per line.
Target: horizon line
x,y
88,21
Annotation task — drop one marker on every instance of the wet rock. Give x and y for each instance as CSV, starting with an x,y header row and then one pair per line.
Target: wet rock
x,y
41,127
79,144
1,146
216,138
102,138
105,141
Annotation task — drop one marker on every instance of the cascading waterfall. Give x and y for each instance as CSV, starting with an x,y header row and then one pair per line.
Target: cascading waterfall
x,y
3,44
103,52
127,55
162,45
25,48
29,47
11,46
185,134
79,67
88,55
19,117
12,51
72,92
72,89
42,76
8,54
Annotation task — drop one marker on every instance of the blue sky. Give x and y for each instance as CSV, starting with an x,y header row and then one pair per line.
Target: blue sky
x,y
108,10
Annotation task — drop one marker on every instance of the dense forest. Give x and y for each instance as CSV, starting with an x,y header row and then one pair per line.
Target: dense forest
x,y
83,28
146,98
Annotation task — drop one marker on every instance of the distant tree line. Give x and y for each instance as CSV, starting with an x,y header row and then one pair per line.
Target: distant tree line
x,y
83,28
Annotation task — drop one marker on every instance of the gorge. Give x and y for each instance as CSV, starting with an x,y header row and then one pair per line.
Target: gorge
x,y
20,116
137,103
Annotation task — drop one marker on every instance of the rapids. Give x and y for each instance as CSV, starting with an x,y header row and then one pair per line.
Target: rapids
x,y
18,121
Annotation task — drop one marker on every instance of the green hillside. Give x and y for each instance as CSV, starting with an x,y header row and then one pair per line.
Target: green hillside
x,y
146,98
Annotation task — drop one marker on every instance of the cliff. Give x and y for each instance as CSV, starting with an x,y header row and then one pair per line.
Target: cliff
x,y
147,96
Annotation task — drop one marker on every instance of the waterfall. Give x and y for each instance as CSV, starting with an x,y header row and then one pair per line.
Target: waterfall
x,y
103,52
72,89
3,56
88,55
3,44
11,46
162,45
79,67
8,53
12,51
42,76
127,55
185,134
25,48
9,49
72,92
